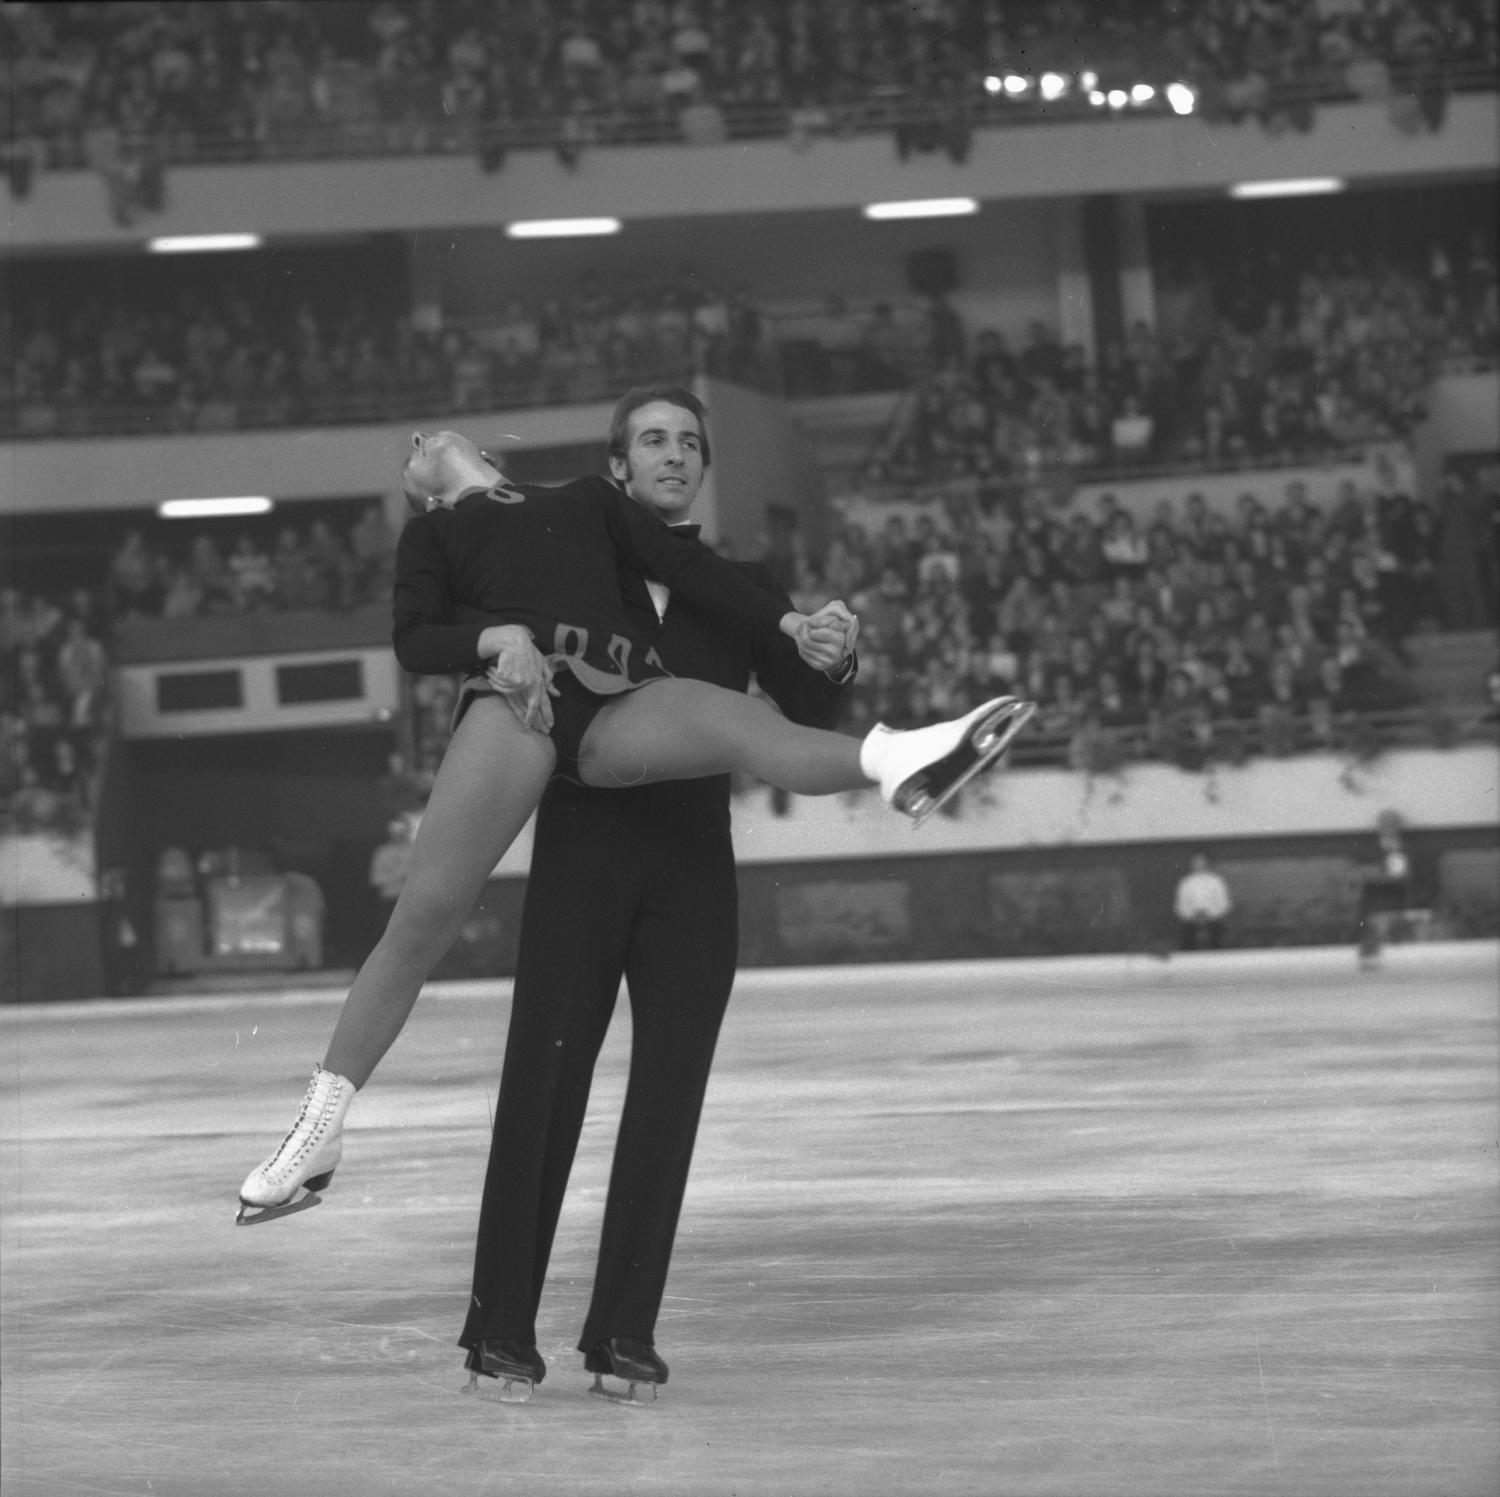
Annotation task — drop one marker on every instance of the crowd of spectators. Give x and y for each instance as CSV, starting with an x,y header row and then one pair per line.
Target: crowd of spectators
x,y
1263,358
1197,637
182,359
319,565
1246,366
106,83
54,708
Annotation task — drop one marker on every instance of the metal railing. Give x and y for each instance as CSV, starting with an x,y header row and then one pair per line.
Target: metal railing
x,y
887,110
40,420
1358,736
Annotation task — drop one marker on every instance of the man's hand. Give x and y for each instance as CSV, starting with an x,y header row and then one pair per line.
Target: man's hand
x,y
825,641
519,672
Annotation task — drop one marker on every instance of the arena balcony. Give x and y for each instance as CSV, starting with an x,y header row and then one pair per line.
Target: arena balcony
x,y
916,120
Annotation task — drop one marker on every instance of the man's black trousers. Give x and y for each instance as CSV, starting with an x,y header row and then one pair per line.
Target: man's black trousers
x,y
640,881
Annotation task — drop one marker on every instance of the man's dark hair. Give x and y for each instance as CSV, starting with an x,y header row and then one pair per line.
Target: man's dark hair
x,y
633,399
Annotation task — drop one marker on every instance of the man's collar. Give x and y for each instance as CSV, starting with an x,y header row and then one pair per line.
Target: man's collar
x,y
686,528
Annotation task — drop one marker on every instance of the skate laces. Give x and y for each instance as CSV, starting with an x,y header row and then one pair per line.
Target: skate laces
x,y
308,1130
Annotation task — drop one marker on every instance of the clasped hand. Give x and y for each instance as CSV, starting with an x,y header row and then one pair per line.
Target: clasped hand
x,y
825,640
520,673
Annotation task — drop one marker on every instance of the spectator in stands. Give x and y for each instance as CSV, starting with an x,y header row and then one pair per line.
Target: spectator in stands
x,y
134,577
391,863
82,673
293,583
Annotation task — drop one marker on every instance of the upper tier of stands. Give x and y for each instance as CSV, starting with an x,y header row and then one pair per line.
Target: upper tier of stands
x,y
1251,361
143,83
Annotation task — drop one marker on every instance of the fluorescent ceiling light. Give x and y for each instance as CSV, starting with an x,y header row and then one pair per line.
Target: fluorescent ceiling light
x,y
1289,187
561,228
191,244
203,509
922,208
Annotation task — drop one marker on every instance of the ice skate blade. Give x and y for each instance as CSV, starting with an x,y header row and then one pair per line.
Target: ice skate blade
x,y
253,1216
499,1390
611,1393
987,741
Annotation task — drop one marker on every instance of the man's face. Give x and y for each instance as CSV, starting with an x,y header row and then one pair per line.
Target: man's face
x,y
663,463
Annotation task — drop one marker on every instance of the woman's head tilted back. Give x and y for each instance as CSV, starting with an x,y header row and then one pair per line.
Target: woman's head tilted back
x,y
439,466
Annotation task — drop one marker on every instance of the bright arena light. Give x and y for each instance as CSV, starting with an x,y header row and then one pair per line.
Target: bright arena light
x,y
1142,93
1096,98
192,244
1088,81
1054,85
1118,98
1016,84
992,84
922,208
1288,187
561,228
204,509
1182,99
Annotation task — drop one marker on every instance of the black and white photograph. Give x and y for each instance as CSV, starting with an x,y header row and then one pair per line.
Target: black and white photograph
x,y
750,748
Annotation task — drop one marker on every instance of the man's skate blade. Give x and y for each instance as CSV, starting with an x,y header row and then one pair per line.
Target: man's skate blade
x,y
1015,717
619,1390
499,1389
253,1216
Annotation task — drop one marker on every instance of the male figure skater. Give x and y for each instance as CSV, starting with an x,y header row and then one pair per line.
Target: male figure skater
x,y
641,884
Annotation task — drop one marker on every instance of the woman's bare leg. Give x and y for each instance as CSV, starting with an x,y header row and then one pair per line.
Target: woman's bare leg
x,y
683,730
489,783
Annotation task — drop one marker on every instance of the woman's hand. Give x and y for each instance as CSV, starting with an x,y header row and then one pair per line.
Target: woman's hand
x,y
519,672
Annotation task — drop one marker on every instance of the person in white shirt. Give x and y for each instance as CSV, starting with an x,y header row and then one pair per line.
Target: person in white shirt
x,y
1202,906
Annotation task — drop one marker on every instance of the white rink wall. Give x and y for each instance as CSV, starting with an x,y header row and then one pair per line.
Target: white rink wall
x,y
1320,793
1427,788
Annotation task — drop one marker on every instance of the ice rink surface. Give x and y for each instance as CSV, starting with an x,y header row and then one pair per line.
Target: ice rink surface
x,y
1087,1228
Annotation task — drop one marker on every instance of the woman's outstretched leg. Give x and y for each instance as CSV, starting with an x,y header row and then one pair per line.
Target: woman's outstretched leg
x,y
490,781
683,730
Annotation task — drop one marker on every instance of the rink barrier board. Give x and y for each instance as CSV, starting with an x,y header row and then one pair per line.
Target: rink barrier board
x,y
1043,902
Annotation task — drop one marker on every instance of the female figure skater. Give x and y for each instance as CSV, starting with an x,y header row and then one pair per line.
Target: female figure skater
x,y
548,559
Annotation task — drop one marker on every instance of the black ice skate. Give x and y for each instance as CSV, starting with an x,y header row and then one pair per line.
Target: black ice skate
x,y
921,770
517,1367
622,1360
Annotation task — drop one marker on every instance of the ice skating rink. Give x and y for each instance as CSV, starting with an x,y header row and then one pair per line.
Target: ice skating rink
x,y
1092,1228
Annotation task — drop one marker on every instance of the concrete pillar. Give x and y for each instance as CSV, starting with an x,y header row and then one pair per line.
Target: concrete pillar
x,y
1101,256
1137,284
1075,297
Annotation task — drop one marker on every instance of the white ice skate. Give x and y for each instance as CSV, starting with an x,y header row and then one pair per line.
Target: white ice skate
x,y
922,769
304,1163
